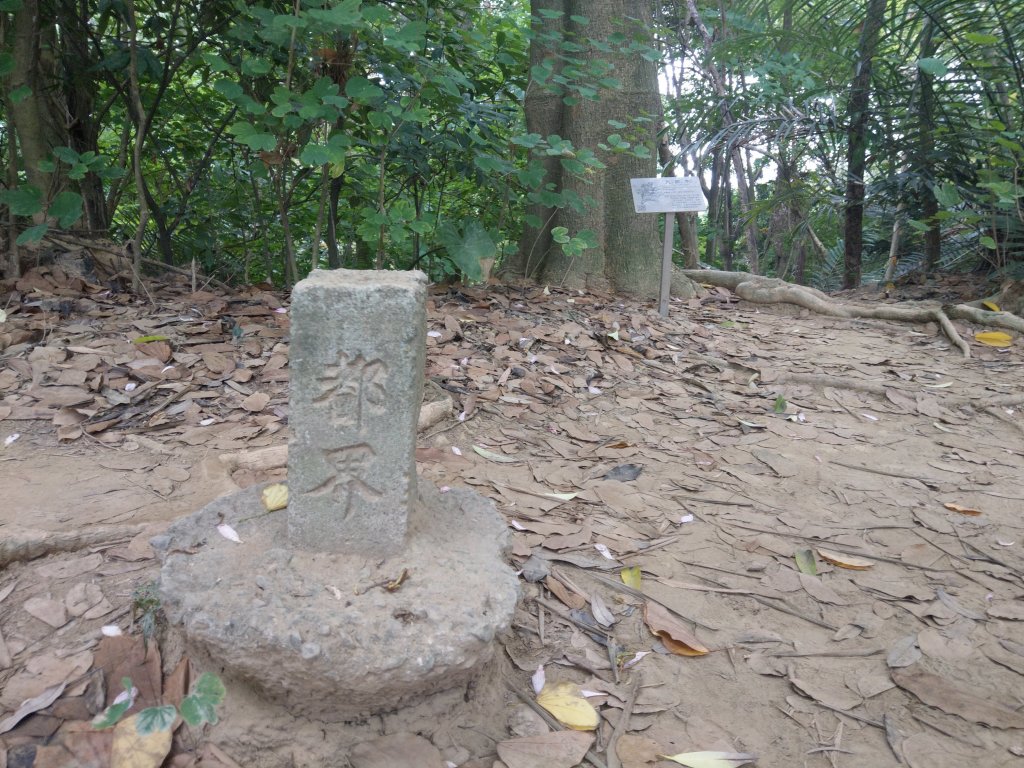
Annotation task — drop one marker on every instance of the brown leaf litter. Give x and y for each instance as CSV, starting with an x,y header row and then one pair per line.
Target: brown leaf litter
x,y
708,450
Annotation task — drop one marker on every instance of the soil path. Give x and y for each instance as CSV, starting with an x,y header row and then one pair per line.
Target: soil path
x,y
832,508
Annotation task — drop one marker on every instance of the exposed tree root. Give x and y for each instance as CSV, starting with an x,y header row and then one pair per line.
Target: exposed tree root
x,y
28,544
769,290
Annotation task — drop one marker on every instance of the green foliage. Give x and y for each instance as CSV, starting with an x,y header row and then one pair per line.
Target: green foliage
x,y
197,708
470,249
404,123
200,706
146,609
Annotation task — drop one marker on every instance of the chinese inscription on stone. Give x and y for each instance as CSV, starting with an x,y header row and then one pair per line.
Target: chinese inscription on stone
x,y
357,355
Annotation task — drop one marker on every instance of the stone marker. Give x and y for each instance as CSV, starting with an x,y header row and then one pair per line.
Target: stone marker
x,y
356,359
370,592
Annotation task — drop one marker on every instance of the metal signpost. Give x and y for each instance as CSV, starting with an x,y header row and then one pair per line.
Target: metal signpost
x,y
668,195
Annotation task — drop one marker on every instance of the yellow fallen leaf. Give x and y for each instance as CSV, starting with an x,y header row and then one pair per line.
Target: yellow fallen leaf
x,y
132,750
844,560
567,705
711,759
962,510
990,305
275,497
631,576
994,338
673,634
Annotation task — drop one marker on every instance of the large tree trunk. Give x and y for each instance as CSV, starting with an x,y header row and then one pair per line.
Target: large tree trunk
x,y
857,143
627,255
33,115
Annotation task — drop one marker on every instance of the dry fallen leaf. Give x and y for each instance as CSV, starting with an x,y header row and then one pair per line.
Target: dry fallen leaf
x,y
990,305
637,751
951,698
962,510
711,759
904,652
994,338
671,630
28,707
844,560
228,533
559,749
275,497
1006,609
567,705
631,576
492,456
600,611
134,750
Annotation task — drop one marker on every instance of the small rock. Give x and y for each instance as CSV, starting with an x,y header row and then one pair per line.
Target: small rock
x,y
324,630
536,569
295,640
310,650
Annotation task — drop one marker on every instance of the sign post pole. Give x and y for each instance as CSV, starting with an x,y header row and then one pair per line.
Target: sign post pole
x,y
668,195
666,264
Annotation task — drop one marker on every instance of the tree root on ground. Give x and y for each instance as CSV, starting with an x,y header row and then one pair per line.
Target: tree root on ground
x,y
28,544
770,290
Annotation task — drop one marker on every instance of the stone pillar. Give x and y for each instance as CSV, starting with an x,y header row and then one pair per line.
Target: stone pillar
x,y
357,357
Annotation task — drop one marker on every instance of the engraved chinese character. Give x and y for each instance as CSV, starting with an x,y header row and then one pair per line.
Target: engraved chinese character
x,y
348,463
350,386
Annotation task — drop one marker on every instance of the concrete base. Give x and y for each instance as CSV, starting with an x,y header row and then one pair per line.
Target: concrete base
x,y
320,633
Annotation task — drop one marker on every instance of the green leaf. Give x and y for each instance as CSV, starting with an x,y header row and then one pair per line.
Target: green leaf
x,y
6,64
979,39
216,63
200,706
10,6
346,14
66,208
228,88
23,201
469,248
935,67
989,243
32,234
780,404
805,562
947,195
154,719
248,134
363,91
111,715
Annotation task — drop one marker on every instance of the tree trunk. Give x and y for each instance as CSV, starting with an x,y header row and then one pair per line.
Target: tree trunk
x,y
627,255
34,116
857,143
544,112
746,194
926,152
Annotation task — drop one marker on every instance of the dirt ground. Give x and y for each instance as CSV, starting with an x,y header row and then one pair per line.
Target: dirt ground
x,y
826,514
